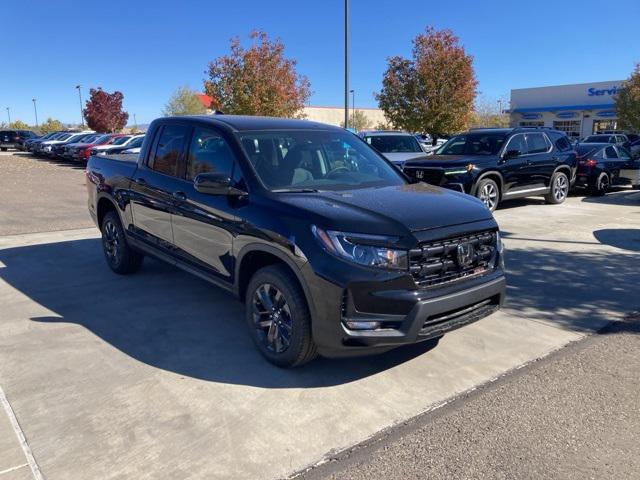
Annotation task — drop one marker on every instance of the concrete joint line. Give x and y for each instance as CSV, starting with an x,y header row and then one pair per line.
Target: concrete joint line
x,y
13,469
31,461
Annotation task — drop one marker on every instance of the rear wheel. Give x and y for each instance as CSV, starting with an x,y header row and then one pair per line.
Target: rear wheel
x,y
121,258
488,192
559,189
278,317
602,185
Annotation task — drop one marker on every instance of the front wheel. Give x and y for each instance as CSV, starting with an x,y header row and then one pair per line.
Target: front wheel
x,y
278,317
488,192
121,258
559,189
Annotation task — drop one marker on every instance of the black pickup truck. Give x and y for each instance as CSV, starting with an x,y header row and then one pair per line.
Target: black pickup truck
x,y
496,164
331,248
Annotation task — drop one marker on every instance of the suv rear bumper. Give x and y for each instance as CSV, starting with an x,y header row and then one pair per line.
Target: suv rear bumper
x,y
435,312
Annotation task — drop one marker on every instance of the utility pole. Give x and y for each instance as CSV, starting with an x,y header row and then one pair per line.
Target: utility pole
x,y
79,87
346,63
9,114
35,110
353,103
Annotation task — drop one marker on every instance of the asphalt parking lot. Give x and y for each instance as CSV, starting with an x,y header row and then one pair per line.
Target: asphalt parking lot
x,y
154,375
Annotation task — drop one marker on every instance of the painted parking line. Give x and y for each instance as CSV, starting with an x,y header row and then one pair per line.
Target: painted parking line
x,y
31,461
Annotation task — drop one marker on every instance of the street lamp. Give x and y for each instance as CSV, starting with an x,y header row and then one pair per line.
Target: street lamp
x,y
35,110
346,63
353,103
9,114
79,87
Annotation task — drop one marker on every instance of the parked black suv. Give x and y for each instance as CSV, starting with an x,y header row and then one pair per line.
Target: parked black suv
x,y
329,246
15,138
498,164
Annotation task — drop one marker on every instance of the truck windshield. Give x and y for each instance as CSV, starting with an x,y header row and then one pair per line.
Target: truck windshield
x,y
473,144
307,160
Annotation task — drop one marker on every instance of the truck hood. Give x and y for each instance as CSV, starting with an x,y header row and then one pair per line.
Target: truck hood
x,y
450,160
394,210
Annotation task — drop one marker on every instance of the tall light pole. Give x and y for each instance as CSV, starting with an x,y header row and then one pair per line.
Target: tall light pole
x,y
35,110
346,63
500,107
79,87
8,114
353,103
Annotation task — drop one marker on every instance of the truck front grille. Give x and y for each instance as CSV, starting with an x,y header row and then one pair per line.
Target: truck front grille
x,y
438,262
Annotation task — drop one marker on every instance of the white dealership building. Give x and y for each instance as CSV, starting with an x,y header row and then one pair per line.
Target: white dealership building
x,y
579,110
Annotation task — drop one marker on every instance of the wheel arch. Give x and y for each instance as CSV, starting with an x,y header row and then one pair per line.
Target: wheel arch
x,y
105,205
252,258
494,175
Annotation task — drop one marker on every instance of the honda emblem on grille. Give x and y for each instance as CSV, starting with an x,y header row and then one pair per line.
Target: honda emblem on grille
x,y
465,254
419,174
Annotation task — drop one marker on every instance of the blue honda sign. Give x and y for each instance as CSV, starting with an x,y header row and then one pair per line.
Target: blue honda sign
x,y
607,114
567,115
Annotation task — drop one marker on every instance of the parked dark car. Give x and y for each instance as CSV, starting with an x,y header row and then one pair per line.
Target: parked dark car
x,y
498,164
331,248
58,150
616,139
15,139
30,144
602,166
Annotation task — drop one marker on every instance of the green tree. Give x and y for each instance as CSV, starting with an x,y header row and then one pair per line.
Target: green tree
x,y
19,125
628,102
50,125
184,101
358,120
432,92
257,80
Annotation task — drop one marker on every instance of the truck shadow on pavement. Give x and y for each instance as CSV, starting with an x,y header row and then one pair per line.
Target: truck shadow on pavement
x,y
170,320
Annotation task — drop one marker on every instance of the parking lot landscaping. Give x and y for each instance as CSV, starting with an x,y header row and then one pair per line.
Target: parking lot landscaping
x,y
153,376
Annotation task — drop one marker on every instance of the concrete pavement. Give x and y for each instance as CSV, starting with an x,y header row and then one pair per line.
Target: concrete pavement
x,y
154,375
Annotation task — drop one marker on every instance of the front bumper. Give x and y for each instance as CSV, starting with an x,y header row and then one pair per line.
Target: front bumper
x,y
426,314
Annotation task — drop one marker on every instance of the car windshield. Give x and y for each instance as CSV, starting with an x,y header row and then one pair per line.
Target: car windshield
x,y
393,143
473,144
101,139
308,160
597,139
66,136
119,140
585,150
136,142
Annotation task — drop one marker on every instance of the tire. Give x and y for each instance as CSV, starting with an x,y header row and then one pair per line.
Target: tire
x,y
489,193
559,189
601,186
274,295
120,257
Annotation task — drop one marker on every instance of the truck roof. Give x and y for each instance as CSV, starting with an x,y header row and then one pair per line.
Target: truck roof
x,y
249,122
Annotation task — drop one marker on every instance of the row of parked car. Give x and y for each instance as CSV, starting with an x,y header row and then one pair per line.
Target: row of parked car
x,y
496,164
71,145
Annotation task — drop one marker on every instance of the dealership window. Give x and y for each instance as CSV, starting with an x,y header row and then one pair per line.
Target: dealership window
x,y
571,127
604,125
532,124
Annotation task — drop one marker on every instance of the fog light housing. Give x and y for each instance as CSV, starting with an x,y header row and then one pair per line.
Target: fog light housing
x,y
355,325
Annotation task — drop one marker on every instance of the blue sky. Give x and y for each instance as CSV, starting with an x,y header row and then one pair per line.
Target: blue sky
x,y
148,48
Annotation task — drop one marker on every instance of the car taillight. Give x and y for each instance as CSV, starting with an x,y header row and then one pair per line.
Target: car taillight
x,y
587,163
86,153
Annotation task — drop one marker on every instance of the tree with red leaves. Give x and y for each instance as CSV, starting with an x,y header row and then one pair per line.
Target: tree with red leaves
x,y
257,80
434,92
103,112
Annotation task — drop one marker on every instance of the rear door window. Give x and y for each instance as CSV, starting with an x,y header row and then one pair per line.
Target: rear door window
x,y
610,152
537,143
168,152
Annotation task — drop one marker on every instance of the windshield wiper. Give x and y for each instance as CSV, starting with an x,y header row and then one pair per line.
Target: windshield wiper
x,y
296,190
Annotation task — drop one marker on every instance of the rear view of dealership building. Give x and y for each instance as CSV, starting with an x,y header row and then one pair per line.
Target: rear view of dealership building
x,y
579,110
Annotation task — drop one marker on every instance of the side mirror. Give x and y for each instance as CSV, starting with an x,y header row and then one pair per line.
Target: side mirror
x,y
216,184
511,154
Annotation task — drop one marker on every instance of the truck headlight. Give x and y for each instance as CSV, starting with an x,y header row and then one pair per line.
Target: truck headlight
x,y
363,249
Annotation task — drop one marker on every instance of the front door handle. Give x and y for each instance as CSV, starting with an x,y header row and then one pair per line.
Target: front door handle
x,y
179,196
141,181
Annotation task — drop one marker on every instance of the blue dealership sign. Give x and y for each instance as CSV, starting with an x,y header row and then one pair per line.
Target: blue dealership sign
x,y
599,92
607,114
531,116
567,115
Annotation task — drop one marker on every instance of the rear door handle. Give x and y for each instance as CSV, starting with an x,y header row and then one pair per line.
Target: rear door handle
x,y
179,196
141,181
